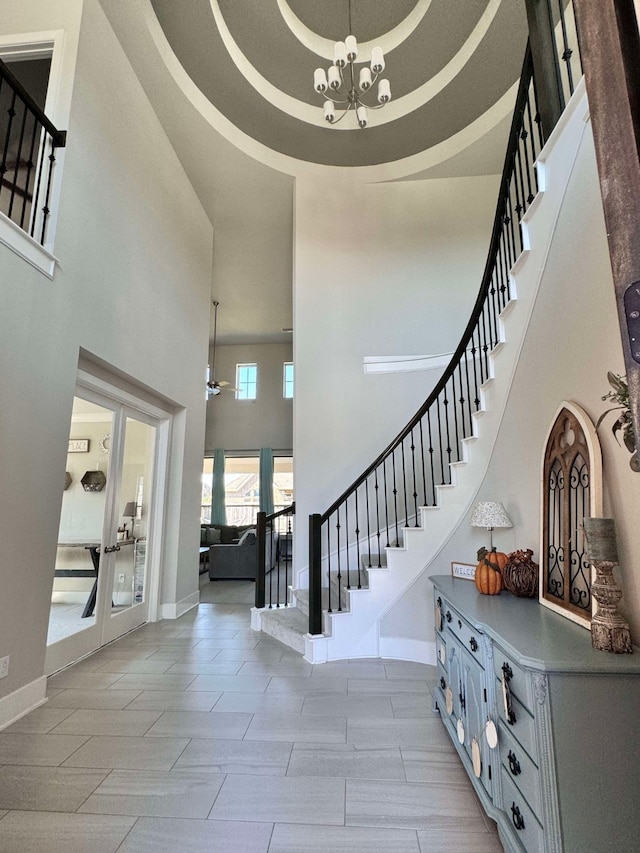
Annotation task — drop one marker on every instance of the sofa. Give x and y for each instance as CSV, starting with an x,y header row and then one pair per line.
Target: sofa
x,y
234,555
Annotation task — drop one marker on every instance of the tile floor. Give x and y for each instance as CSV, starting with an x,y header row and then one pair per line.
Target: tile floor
x,y
201,735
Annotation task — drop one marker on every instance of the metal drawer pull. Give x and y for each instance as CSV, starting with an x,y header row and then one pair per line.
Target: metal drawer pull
x,y
448,617
439,602
443,683
507,671
516,817
463,704
111,548
459,624
514,764
473,644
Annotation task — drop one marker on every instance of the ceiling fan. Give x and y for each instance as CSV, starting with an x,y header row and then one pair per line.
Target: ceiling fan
x,y
213,386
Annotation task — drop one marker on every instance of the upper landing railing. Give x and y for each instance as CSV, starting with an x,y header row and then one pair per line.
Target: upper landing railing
x,y
28,143
387,496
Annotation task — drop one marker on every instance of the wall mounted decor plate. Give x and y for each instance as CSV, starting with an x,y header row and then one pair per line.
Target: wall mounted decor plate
x,y
93,481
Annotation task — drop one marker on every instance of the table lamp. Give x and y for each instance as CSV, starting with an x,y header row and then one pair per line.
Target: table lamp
x,y
490,514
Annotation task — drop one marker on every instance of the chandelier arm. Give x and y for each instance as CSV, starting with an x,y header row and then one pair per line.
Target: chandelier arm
x,y
348,109
327,96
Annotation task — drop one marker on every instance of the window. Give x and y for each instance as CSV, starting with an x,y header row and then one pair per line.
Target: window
x,y
242,489
246,381
207,482
287,380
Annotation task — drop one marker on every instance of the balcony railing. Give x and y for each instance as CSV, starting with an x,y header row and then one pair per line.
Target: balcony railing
x,y
28,144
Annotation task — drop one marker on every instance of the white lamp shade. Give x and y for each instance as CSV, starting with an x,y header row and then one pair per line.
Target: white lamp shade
x,y
384,91
340,54
329,112
334,77
490,514
320,80
365,78
377,60
351,46
363,118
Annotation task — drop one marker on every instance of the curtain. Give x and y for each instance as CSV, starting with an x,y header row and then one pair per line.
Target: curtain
x,y
218,508
266,480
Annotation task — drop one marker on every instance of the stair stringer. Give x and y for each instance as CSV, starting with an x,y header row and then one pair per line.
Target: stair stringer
x,y
356,632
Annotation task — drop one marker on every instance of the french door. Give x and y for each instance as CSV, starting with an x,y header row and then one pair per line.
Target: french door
x,y
109,543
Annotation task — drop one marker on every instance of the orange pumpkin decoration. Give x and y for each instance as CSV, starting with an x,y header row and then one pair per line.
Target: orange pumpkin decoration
x,y
488,575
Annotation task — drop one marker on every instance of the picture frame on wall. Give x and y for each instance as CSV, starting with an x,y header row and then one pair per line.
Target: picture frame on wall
x,y
78,445
464,571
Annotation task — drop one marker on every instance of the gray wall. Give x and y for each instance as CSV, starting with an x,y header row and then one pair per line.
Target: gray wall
x,y
132,289
251,424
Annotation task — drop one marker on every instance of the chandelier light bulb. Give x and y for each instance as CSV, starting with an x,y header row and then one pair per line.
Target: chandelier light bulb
x,y
329,112
335,80
377,60
365,78
351,46
361,113
320,80
384,91
340,54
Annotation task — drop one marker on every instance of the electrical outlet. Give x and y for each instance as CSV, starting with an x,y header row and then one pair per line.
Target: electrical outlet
x,y
121,577
4,667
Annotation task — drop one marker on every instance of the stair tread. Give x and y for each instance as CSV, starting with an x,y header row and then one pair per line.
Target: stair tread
x,y
286,624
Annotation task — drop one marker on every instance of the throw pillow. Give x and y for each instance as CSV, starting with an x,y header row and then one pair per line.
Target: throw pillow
x,y
213,536
248,536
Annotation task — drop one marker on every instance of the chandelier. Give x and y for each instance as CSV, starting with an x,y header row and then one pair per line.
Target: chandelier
x,y
345,90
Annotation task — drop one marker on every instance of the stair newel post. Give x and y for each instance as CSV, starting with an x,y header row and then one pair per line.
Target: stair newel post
x,y
261,536
315,574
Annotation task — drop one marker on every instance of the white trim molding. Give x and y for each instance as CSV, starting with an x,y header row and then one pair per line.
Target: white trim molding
x,y
404,648
405,363
22,701
174,610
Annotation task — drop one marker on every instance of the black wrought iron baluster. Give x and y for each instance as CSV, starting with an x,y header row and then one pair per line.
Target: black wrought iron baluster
x,y
445,403
357,531
46,210
477,338
431,452
288,554
512,224
454,403
413,469
494,307
395,494
338,561
476,387
519,205
18,160
36,195
440,441
504,270
521,185
466,423
404,483
424,470
528,157
28,196
11,112
377,490
366,493
329,608
485,343
567,53
386,498
346,542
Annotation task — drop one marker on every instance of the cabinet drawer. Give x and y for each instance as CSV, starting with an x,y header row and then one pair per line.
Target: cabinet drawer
x,y
526,828
468,636
519,682
517,764
523,729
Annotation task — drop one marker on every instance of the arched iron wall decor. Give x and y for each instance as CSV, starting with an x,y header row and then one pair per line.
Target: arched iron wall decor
x,y
571,492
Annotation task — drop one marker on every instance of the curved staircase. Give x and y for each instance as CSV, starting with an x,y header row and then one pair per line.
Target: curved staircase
x,y
351,612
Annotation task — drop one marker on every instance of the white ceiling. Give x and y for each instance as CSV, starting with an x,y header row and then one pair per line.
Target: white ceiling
x,y
246,184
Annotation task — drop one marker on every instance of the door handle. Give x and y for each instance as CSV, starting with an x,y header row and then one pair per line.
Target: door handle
x,y
111,548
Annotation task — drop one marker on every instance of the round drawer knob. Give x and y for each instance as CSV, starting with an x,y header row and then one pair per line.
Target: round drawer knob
x,y
514,764
516,817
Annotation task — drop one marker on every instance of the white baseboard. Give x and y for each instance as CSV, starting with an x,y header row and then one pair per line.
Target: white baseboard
x,y
177,609
256,618
23,700
402,648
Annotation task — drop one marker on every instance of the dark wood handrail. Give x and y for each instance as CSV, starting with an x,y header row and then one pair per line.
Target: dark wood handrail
x,y
521,100
58,137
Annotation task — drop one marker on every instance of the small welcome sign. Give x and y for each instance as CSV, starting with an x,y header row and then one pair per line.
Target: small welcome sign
x,y
78,445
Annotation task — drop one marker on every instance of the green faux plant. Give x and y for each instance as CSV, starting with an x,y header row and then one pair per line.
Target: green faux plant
x,y
619,394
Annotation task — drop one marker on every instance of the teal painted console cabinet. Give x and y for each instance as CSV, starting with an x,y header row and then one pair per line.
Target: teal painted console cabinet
x,y
563,774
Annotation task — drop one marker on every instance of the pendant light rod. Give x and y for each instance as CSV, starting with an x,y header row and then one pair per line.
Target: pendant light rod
x,y
215,333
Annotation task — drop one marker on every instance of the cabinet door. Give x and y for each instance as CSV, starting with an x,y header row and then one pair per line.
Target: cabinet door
x,y
476,715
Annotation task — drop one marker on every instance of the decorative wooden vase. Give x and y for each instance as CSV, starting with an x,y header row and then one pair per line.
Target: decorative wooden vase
x,y
609,631
520,575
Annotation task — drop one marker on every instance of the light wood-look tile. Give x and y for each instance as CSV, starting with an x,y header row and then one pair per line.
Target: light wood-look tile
x,y
200,725
163,835
292,838
128,753
59,789
346,761
264,758
37,832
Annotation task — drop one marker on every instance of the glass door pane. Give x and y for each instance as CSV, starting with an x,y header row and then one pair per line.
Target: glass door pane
x,y
133,507
73,599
